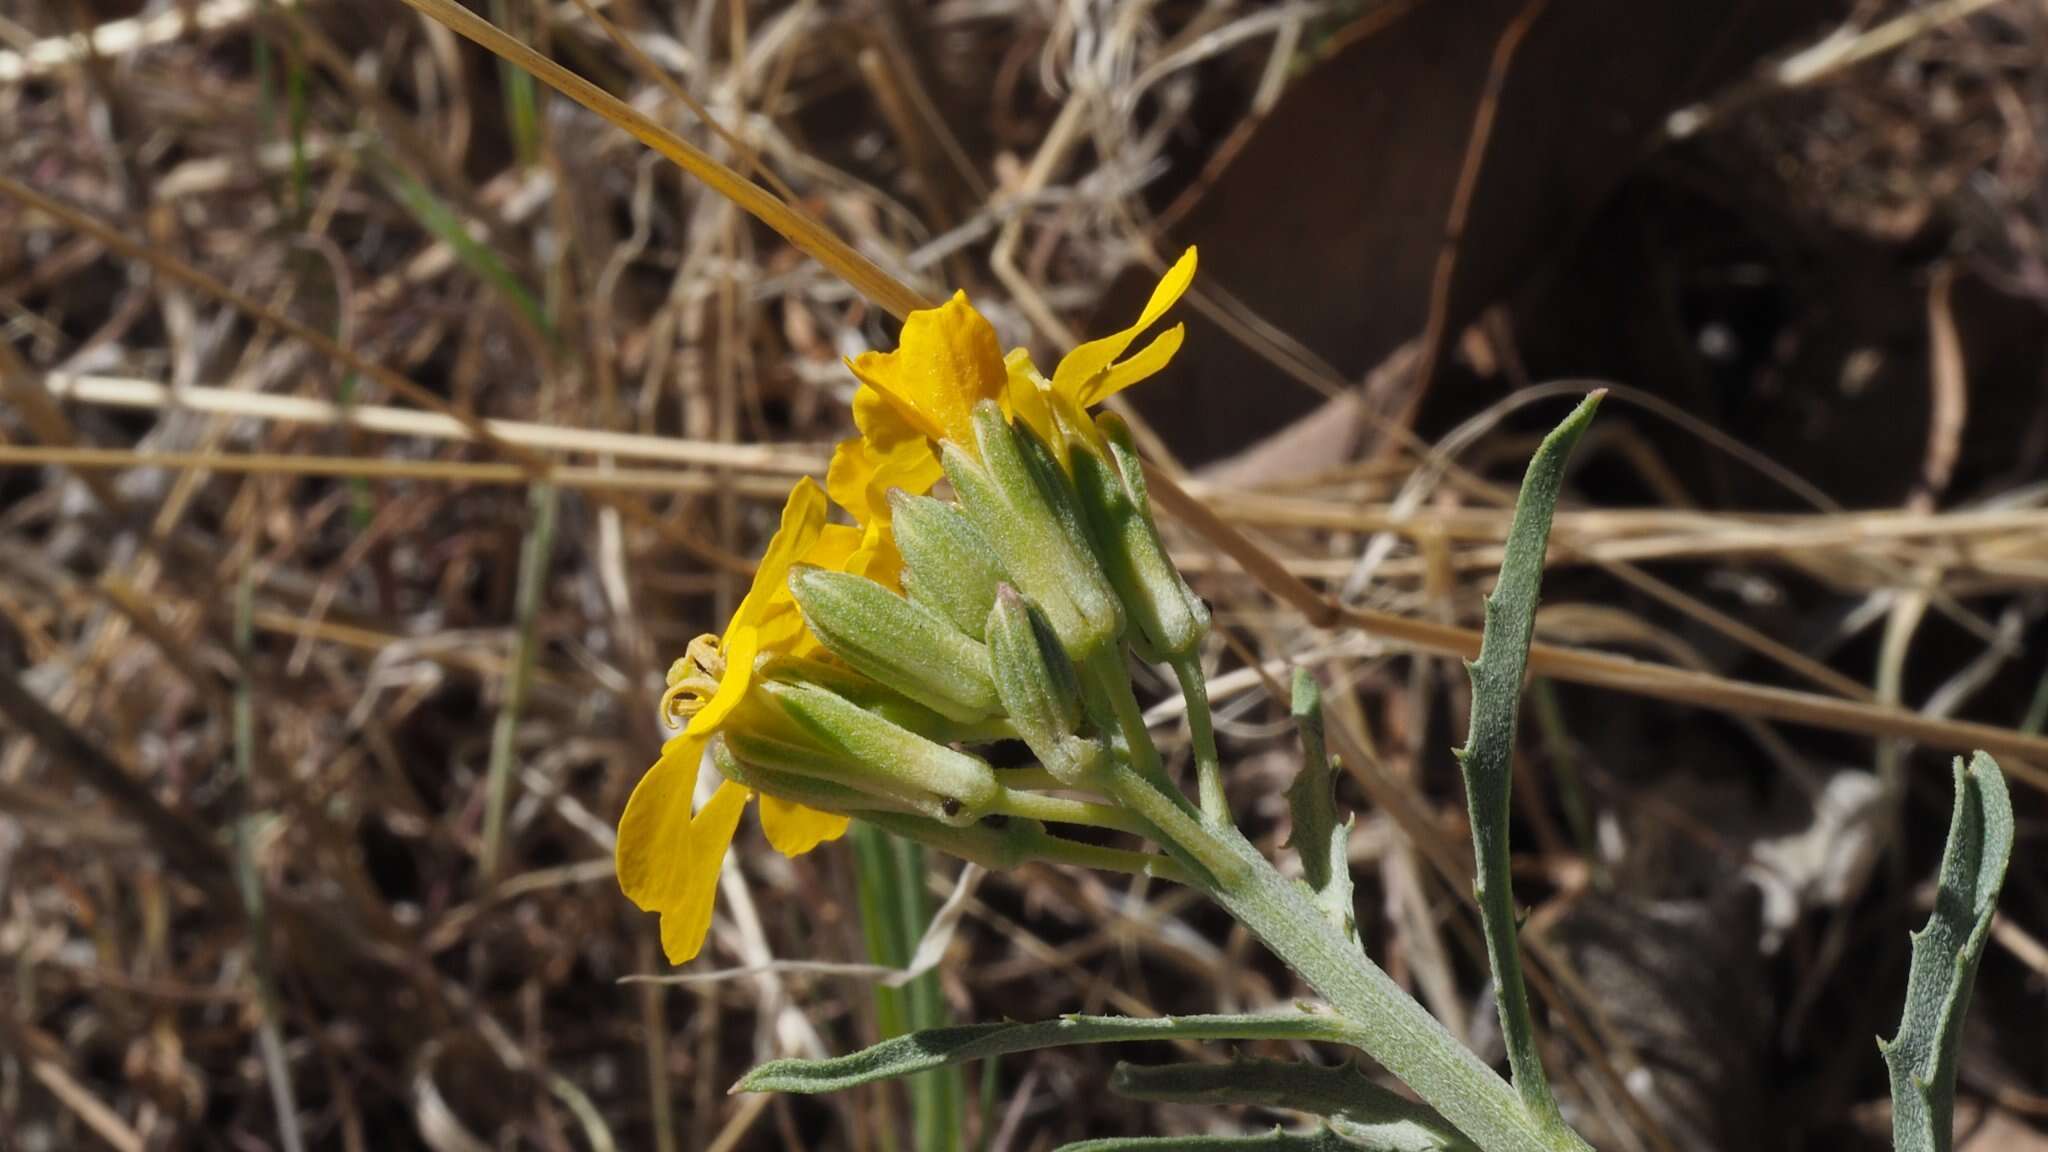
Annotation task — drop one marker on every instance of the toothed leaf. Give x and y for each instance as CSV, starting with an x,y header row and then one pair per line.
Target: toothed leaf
x,y
1323,843
937,1047
1489,750
1363,1111
1922,1055
1278,1140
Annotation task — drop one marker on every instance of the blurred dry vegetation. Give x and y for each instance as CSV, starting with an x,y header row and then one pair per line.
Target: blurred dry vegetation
x,y
316,711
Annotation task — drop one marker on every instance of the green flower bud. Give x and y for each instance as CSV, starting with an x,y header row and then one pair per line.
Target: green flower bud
x,y
947,565
841,741
1004,497
1039,687
1168,619
811,791
905,646
883,701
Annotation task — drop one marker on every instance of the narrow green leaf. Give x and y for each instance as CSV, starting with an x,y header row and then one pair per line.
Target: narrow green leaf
x,y
1323,844
1341,1094
1488,753
894,916
938,1047
1922,1055
446,225
1278,1140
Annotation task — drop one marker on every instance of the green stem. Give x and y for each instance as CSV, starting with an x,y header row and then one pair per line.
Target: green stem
x,y
1194,688
1060,810
1393,1029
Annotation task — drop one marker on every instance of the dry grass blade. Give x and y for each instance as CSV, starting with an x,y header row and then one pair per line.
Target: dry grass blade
x,y
800,230
1635,677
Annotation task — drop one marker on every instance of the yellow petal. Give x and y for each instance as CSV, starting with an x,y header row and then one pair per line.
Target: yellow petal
x,y
685,921
861,475
835,544
880,424
1076,374
802,518
877,557
794,829
655,830
846,477
741,647
1127,372
947,361
1025,396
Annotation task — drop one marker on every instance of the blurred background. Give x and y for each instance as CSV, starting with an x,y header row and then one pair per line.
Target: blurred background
x,y
317,710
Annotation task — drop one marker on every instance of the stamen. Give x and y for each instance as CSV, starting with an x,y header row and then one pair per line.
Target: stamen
x,y
692,681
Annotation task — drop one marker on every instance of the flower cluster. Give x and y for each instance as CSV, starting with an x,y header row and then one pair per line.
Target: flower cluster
x,y
866,656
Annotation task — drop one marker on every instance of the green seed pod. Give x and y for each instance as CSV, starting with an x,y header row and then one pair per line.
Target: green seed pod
x,y
865,751
905,646
1003,496
947,565
1165,613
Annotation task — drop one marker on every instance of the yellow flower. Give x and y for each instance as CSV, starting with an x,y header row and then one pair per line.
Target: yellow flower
x,y
1092,372
946,362
949,360
667,858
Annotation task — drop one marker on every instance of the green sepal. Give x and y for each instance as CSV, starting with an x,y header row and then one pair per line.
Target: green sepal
x,y
829,673
804,776
881,754
1098,598
1164,612
947,564
897,642
1039,688
1341,1094
1001,495
935,1048
1922,1055
1323,844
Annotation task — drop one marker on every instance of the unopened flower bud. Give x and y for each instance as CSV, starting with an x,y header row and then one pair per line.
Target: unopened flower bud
x,y
947,565
861,750
1166,616
1004,497
752,768
884,701
904,645
1039,687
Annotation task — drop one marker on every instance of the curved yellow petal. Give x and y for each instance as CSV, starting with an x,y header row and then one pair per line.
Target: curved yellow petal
x,y
742,645
846,478
1076,374
1025,395
947,361
655,829
1129,371
861,475
794,829
877,557
802,518
685,921
880,423
836,544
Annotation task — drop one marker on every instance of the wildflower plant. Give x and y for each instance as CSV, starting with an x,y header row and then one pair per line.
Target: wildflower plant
x,y
871,662
996,572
